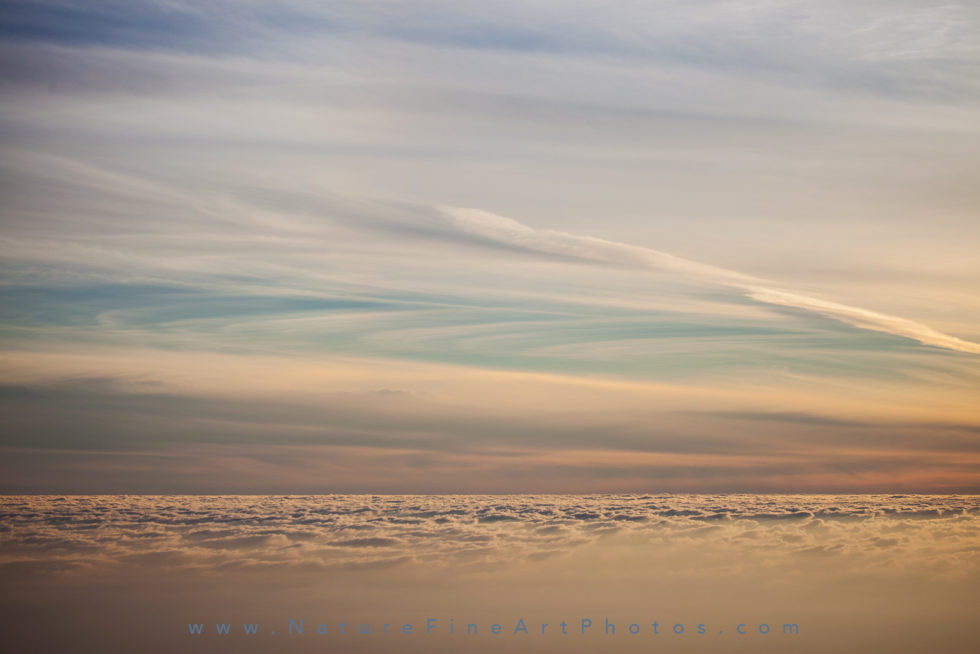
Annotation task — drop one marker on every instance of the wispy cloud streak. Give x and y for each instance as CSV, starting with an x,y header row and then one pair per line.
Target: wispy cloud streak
x,y
510,232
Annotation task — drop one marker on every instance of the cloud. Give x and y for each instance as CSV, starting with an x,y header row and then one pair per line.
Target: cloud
x,y
505,230
510,232
112,419
865,319
837,565
206,534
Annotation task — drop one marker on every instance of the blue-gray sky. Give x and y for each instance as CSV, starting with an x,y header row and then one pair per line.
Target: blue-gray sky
x,y
501,247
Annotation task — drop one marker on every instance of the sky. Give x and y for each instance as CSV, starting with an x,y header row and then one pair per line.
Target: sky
x,y
501,247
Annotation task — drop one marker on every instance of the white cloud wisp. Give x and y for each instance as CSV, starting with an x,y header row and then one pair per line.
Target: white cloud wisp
x,y
510,232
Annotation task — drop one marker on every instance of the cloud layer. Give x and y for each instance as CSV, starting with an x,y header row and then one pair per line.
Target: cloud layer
x,y
203,535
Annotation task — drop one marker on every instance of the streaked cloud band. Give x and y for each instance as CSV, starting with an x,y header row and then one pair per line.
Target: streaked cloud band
x,y
511,232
